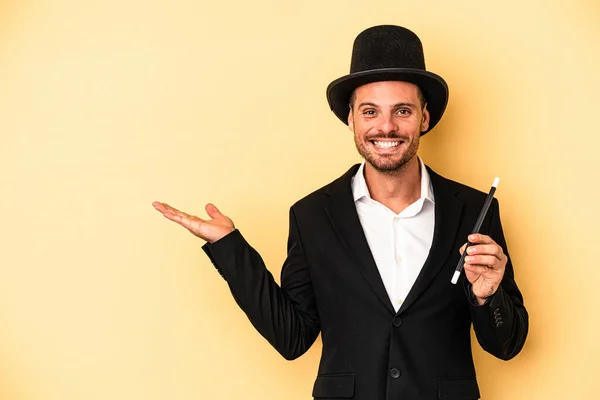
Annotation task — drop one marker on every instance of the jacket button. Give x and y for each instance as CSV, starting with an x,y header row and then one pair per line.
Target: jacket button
x,y
395,373
499,324
397,321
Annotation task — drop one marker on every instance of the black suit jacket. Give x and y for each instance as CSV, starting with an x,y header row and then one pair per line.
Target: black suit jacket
x,y
330,284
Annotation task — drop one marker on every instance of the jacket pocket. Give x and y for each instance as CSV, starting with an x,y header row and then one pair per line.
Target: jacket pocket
x,y
458,389
334,385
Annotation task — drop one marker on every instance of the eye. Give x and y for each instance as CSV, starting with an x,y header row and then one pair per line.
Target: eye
x,y
403,111
369,111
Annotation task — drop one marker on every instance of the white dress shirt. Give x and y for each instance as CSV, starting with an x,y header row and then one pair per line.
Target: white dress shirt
x,y
399,243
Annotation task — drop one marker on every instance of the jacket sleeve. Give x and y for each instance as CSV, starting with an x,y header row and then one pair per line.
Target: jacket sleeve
x,y
285,315
502,323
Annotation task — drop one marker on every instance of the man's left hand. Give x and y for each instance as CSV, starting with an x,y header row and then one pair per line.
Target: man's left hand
x,y
484,266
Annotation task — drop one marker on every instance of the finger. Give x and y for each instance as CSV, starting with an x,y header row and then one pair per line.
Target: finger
x,y
175,211
159,206
462,249
487,249
176,217
213,211
187,221
164,207
186,215
476,269
478,238
485,260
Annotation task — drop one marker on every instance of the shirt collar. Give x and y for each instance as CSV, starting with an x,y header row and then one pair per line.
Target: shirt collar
x,y
360,189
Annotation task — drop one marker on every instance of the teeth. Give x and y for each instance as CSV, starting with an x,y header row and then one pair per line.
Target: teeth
x,y
386,145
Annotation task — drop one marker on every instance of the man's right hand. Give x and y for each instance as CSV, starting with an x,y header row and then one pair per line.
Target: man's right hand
x,y
210,230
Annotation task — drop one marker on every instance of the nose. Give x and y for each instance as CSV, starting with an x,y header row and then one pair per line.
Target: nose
x,y
387,124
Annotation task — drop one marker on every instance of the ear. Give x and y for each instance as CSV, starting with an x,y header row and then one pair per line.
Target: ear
x,y
351,120
425,119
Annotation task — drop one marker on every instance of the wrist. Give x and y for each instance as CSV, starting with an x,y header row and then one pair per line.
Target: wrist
x,y
481,300
478,299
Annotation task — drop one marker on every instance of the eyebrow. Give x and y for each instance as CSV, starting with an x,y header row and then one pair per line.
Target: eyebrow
x,y
365,104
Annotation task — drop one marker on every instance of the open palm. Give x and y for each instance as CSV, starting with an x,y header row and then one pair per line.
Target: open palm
x,y
210,230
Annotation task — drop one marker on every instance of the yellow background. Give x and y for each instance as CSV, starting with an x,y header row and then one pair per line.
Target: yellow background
x,y
108,105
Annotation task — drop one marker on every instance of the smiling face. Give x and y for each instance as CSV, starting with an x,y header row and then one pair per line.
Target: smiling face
x,y
387,119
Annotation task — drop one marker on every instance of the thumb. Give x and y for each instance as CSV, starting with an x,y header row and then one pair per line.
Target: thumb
x,y
213,211
462,249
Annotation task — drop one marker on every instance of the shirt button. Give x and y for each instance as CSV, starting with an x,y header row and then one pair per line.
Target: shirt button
x,y
396,220
398,259
395,373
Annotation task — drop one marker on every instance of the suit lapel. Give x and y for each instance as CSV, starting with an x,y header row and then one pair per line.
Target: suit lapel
x,y
344,218
448,210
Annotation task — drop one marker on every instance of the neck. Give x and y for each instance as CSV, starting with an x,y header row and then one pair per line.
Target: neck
x,y
396,190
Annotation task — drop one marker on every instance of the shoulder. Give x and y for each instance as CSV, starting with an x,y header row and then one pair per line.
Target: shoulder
x,y
466,193
321,196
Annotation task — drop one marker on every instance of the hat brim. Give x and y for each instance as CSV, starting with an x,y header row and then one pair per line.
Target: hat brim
x,y
433,86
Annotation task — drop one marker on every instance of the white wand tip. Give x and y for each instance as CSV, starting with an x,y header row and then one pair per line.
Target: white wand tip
x,y
496,181
455,277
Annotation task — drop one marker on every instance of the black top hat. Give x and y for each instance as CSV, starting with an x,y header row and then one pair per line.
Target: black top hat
x,y
388,53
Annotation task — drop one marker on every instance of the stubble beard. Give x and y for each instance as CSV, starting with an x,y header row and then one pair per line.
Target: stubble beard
x,y
384,164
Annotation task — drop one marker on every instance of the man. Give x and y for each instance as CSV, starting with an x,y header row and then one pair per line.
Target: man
x,y
371,255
